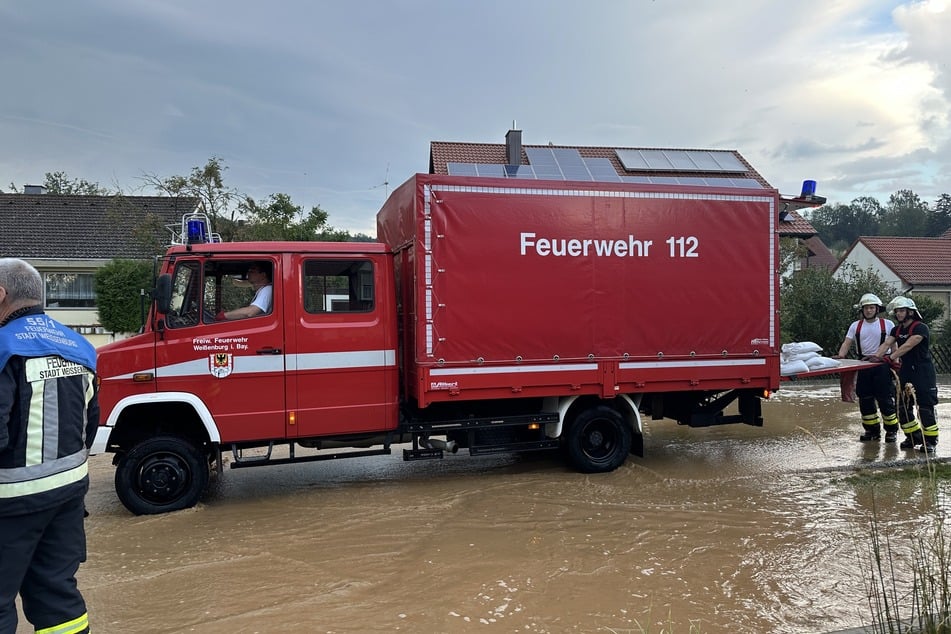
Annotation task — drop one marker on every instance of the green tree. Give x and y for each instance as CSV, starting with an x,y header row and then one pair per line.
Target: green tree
x,y
238,217
207,185
940,220
839,225
827,219
905,215
278,218
931,310
59,183
866,217
119,287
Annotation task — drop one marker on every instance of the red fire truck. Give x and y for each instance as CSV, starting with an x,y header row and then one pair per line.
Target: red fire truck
x,y
488,317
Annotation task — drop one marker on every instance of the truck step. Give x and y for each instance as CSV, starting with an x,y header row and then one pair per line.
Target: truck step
x,y
537,445
422,454
315,458
240,458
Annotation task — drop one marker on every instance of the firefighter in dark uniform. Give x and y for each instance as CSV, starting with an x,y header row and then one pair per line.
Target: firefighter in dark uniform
x,y
49,412
874,386
909,342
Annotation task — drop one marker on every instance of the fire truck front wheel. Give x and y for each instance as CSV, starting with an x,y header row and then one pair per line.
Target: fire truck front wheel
x,y
598,440
161,474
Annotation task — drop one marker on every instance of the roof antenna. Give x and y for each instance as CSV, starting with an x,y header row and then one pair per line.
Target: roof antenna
x,y
385,184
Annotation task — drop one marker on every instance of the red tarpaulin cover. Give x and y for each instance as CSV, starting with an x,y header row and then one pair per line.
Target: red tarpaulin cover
x,y
504,272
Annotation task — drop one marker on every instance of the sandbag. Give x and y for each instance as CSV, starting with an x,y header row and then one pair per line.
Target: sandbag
x,y
801,356
793,367
821,363
797,347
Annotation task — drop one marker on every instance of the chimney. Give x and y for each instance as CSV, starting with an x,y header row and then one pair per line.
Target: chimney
x,y
513,147
34,189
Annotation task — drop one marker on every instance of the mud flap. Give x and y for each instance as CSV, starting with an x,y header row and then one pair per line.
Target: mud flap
x,y
637,445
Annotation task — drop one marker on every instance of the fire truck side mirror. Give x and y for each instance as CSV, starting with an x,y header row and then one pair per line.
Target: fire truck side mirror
x,y
163,293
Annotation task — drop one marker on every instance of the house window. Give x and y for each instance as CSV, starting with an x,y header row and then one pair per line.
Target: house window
x,y
70,290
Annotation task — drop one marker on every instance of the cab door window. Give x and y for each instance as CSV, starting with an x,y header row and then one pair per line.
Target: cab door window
x,y
338,286
238,289
219,290
186,296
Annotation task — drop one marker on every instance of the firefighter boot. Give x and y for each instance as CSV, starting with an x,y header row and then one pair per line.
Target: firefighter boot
x,y
910,441
871,431
891,427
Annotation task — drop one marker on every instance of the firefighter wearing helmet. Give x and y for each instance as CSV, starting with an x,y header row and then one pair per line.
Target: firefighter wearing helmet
x,y
909,343
874,387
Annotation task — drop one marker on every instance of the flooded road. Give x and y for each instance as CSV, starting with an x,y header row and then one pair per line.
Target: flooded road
x,y
728,529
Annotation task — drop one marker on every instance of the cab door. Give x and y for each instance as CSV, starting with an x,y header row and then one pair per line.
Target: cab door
x,y
344,377
236,368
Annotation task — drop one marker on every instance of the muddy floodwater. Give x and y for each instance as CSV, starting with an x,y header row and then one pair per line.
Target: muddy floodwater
x,y
724,529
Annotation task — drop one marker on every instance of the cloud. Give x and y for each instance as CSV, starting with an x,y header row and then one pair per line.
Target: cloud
x,y
326,101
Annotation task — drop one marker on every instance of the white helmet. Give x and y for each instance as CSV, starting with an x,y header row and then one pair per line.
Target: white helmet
x,y
904,302
870,299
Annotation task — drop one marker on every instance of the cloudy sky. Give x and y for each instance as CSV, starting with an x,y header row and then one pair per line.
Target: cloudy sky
x,y
335,103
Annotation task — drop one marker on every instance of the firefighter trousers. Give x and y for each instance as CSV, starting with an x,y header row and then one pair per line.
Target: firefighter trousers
x,y
876,391
39,556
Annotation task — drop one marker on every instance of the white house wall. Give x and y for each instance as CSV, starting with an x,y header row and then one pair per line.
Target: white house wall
x,y
862,259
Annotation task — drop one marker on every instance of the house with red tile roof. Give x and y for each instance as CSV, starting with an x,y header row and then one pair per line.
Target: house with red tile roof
x,y
817,253
512,159
915,266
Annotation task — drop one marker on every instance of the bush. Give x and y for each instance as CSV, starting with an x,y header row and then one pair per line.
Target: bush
x,y
119,287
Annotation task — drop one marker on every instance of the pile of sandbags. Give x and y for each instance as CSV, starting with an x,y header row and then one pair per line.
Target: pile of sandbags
x,y
803,356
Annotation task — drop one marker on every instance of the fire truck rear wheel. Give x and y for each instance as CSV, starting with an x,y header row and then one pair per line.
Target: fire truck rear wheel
x,y
598,440
161,474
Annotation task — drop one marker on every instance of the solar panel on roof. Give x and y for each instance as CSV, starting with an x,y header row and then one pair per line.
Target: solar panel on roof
x,y
640,180
519,171
728,162
688,180
657,160
602,169
703,160
572,165
461,169
568,164
544,163
748,183
540,156
631,160
490,169
680,161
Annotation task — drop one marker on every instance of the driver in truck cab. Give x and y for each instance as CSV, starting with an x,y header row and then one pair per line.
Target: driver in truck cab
x,y
259,274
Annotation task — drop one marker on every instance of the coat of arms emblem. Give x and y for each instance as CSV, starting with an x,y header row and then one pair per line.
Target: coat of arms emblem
x,y
221,364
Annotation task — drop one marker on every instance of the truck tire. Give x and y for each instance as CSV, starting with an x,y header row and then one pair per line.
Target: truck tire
x,y
598,440
161,474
